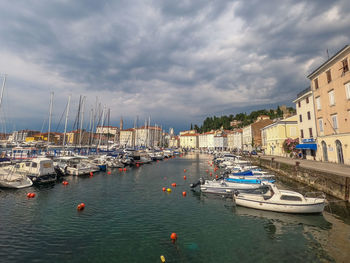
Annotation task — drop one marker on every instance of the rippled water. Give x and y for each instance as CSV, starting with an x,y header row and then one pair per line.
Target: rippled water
x,y
128,218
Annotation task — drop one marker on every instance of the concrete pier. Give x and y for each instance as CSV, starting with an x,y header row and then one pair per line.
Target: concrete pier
x,y
330,178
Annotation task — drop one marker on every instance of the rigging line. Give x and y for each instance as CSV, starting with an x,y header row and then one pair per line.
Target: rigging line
x,y
59,123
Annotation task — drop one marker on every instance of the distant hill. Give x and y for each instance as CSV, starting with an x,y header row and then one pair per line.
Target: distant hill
x,y
242,119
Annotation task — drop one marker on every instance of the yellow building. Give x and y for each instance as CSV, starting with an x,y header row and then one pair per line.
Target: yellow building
x,y
189,140
274,135
330,84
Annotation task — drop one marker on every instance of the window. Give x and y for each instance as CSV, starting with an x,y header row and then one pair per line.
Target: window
x,y
345,65
302,134
331,98
308,115
318,103
320,124
299,104
34,165
291,198
307,99
347,90
335,121
316,83
329,76
310,131
300,118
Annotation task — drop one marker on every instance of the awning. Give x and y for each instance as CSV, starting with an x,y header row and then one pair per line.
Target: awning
x,y
311,146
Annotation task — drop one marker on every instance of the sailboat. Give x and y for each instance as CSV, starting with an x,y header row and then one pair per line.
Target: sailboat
x,y
9,178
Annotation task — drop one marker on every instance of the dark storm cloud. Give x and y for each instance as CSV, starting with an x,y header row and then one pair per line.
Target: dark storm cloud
x,y
174,60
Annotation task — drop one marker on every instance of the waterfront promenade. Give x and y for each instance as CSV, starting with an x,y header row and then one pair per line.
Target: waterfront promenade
x,y
332,168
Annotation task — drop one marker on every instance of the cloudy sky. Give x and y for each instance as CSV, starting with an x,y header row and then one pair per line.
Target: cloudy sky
x,y
176,61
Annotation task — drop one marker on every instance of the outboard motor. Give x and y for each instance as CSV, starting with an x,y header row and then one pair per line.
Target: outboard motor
x,y
59,172
200,181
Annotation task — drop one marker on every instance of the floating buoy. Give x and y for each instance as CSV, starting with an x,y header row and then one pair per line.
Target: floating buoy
x,y
173,184
164,189
120,169
162,259
81,206
207,171
184,193
137,165
184,170
168,190
65,183
91,173
109,172
30,195
216,176
185,177
211,173
124,169
173,237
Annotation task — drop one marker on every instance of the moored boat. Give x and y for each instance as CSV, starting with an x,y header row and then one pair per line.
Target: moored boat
x,y
281,201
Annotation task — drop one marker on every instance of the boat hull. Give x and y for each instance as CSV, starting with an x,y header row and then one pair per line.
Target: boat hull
x,y
310,208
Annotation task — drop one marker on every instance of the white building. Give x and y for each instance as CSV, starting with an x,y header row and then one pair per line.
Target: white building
x,y
189,140
306,123
247,138
238,140
220,142
206,140
127,138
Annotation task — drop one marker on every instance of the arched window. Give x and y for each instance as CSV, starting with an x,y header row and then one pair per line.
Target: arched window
x,y
324,150
339,151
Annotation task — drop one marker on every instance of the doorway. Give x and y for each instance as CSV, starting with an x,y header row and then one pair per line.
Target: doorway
x,y
339,151
324,150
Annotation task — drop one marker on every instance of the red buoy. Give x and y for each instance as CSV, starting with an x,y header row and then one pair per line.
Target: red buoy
x,y
124,169
91,173
216,176
185,177
173,237
28,195
207,171
211,173
120,169
81,207
164,189
109,172
173,184
184,193
65,183
184,170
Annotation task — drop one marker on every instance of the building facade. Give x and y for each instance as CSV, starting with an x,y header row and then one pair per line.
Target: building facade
x,y
238,140
330,84
305,110
189,141
275,134
127,138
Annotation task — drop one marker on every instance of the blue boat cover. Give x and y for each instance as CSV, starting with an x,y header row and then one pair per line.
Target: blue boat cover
x,y
311,146
248,172
247,181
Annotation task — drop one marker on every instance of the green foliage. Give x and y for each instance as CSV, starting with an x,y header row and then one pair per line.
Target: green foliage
x,y
215,123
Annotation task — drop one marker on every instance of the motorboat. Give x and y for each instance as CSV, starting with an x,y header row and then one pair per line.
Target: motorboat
x,y
40,170
249,174
75,165
285,201
9,178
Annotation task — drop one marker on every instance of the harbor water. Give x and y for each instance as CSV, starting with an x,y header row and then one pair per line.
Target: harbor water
x,y
128,218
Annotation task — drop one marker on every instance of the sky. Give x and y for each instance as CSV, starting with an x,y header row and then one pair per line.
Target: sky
x,y
175,61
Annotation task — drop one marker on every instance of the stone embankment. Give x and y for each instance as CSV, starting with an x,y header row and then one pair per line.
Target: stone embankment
x,y
332,179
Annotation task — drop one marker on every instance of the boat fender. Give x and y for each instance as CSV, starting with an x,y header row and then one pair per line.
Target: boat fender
x,y
162,259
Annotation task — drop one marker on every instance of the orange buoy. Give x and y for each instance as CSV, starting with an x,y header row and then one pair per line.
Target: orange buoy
x,y
164,189
185,177
184,193
173,237
65,183
124,169
120,169
184,170
173,184
81,206
32,195
28,195
109,172
216,176
91,173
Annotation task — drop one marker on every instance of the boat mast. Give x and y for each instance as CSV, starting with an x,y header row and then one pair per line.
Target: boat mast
x,y
2,90
103,114
82,120
65,124
50,115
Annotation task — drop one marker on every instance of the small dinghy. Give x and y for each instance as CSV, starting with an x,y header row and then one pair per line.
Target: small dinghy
x,y
281,201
